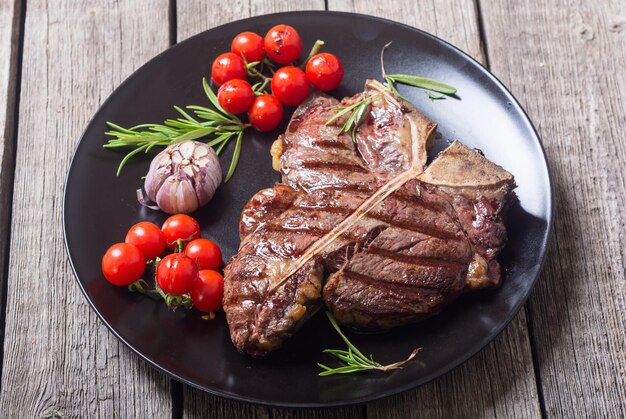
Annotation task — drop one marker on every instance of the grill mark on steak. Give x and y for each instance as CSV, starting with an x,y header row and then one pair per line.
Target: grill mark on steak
x,y
329,165
330,144
416,228
376,283
433,262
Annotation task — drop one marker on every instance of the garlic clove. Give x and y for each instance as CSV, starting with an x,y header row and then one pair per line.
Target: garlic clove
x,y
160,169
177,195
207,180
186,149
177,158
189,170
200,152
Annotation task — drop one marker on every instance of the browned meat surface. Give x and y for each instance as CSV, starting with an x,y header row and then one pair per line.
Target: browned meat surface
x,y
354,226
442,235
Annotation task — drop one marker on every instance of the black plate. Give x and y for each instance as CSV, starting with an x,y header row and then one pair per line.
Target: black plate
x,y
99,208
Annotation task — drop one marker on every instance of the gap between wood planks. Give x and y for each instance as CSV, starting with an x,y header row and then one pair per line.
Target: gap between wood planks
x,y
176,388
10,153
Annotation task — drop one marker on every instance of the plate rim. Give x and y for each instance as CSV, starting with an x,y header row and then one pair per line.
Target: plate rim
x,y
470,353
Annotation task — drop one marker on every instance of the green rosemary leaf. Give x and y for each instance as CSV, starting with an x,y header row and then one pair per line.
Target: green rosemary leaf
x,y
185,115
211,95
433,97
342,111
392,87
221,138
360,113
128,156
233,162
118,128
219,149
345,339
423,82
344,370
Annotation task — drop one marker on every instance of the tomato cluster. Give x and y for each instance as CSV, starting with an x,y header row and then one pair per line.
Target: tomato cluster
x,y
192,270
290,85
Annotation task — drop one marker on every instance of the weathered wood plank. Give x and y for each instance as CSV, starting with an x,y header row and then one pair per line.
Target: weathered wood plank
x,y
59,359
197,16
194,17
499,381
10,12
565,61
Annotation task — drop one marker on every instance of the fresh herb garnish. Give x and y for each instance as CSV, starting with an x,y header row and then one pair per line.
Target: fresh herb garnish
x,y
429,85
357,112
423,82
216,123
354,360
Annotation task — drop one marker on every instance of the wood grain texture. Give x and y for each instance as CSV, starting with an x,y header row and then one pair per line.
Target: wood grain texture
x,y
10,12
565,61
194,17
499,381
59,359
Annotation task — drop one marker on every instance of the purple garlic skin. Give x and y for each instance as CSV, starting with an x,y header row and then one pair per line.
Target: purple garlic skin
x,y
183,177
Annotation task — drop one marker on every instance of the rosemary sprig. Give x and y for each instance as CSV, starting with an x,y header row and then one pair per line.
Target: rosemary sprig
x,y
429,85
207,122
354,360
423,82
356,111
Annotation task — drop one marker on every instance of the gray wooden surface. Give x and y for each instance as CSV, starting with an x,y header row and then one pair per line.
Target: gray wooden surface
x,y
563,356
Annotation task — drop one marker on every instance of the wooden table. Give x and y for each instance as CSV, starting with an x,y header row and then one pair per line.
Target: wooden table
x,y
565,353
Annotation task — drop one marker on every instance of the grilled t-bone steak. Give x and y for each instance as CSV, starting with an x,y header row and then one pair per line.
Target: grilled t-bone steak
x,y
361,226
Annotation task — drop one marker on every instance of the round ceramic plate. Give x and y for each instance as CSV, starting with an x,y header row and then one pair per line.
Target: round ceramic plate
x,y
100,207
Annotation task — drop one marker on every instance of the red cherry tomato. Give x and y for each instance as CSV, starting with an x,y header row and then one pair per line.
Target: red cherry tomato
x,y
325,71
250,45
205,253
207,294
235,96
180,227
228,66
123,264
265,113
177,274
290,85
283,44
148,238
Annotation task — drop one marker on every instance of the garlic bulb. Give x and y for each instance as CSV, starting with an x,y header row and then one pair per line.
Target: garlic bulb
x,y
183,177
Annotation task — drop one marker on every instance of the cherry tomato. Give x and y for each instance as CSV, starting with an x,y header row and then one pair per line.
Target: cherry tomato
x,y
177,274
148,238
283,44
207,294
205,253
250,45
123,264
265,113
325,71
228,66
180,227
290,85
235,96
